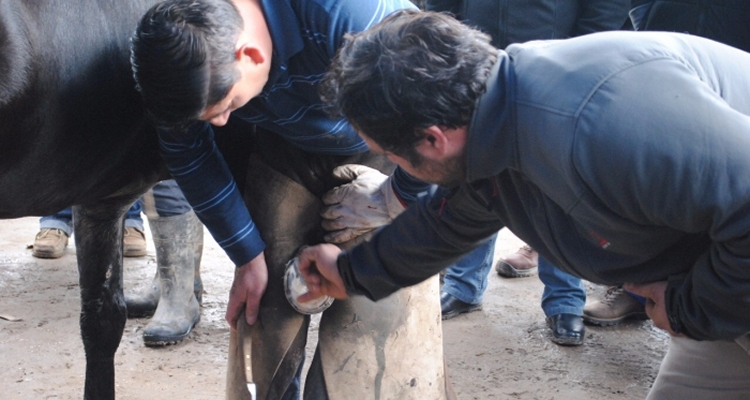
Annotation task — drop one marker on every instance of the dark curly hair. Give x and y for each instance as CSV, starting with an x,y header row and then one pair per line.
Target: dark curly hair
x,y
413,70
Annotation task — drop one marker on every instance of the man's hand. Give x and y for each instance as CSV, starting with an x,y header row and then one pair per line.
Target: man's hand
x,y
249,283
355,208
656,307
317,264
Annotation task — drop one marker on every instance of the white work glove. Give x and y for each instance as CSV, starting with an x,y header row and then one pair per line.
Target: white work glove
x,y
357,207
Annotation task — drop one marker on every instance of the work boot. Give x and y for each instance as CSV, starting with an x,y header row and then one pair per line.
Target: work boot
x,y
520,264
133,242
451,306
49,243
144,304
567,329
178,311
616,307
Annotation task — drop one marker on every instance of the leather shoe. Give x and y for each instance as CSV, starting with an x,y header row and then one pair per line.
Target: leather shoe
x,y
567,329
451,306
520,264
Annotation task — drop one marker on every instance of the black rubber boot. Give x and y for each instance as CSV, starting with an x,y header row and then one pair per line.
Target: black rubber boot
x,y
178,310
144,304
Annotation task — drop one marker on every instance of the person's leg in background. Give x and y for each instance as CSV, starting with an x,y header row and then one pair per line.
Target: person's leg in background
x,y
562,302
134,235
176,291
617,306
466,281
521,264
54,231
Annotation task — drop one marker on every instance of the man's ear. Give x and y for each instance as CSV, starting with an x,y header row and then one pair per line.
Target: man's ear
x,y
250,53
436,143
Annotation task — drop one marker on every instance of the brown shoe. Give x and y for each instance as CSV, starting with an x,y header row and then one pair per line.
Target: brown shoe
x,y
616,307
49,243
520,264
133,243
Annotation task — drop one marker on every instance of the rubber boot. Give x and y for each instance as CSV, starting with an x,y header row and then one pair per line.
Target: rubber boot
x,y
178,310
144,304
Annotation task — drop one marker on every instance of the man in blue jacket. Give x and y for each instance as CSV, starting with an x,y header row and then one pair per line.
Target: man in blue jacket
x,y
517,21
620,156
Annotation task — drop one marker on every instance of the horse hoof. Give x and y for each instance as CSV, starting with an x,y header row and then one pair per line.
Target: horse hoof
x,y
295,286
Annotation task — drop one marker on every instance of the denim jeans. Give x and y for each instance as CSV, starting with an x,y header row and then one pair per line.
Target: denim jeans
x,y
166,197
63,220
467,281
563,293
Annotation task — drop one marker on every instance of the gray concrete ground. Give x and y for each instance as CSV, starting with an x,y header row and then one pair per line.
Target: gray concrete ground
x,y
501,352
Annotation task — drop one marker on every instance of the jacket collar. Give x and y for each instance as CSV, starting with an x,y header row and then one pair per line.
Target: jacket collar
x,y
285,35
491,140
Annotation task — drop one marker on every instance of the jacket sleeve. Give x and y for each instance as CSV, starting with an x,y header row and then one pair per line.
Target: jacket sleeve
x,y
601,15
682,163
203,176
419,243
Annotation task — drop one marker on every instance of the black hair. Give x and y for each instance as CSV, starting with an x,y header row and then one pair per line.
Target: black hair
x,y
183,58
412,70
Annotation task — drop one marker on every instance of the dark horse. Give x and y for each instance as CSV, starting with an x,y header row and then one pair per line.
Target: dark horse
x,y
72,132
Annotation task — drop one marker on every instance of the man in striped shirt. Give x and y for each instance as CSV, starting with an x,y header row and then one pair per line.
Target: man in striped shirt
x,y
199,62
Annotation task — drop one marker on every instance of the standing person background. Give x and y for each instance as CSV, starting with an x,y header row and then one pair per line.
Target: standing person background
x,y
517,21
724,21
55,230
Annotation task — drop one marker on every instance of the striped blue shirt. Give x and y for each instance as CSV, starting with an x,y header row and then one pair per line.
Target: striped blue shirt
x,y
306,35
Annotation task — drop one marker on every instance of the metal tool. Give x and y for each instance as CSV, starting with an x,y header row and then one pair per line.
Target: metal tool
x,y
243,330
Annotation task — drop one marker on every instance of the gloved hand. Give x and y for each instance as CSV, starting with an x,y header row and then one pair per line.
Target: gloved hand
x,y
355,208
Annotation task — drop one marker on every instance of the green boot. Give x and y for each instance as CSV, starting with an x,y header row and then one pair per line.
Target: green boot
x,y
178,309
144,304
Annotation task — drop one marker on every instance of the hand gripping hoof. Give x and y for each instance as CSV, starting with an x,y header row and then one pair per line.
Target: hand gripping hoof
x,y
295,286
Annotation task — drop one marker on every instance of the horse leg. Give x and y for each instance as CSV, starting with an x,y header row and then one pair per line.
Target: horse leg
x,y
282,211
98,232
390,349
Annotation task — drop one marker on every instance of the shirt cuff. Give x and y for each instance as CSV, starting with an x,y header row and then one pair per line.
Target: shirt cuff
x,y
243,251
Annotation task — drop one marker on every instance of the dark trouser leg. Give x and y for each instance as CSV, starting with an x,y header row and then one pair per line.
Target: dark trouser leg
x,y
281,209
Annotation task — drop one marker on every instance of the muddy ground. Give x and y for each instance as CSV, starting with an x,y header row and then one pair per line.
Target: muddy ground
x,y
501,352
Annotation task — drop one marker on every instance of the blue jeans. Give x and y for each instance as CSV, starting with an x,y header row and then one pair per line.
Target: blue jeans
x,y
165,200
63,220
467,281
168,201
563,293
